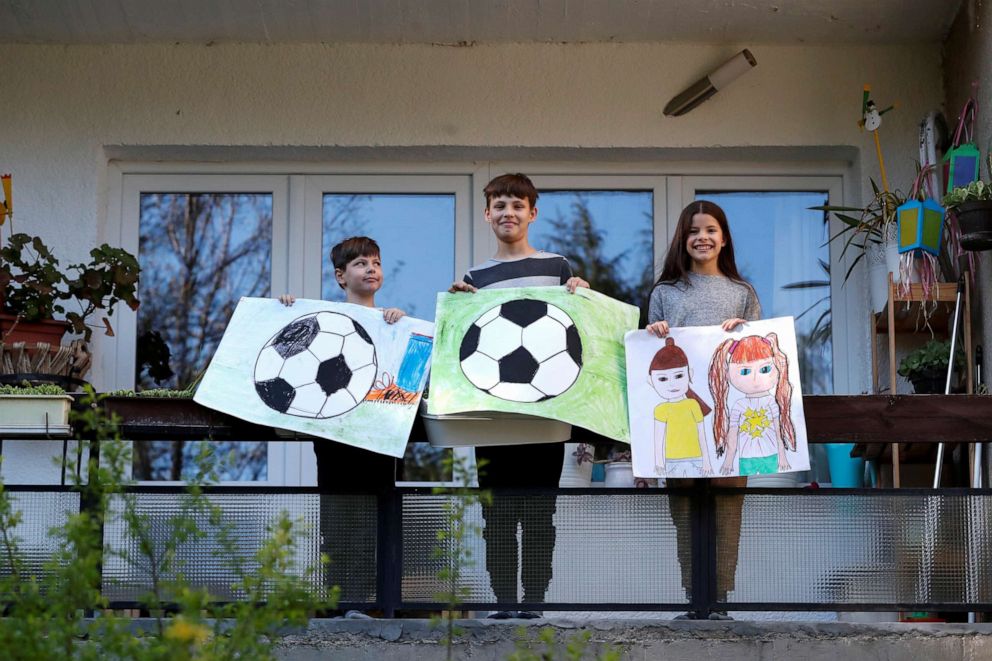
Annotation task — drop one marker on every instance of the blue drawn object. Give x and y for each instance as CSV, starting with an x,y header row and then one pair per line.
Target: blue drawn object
x,y
413,369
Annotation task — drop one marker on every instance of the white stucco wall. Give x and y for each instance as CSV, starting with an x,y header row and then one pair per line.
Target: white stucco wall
x,y
61,107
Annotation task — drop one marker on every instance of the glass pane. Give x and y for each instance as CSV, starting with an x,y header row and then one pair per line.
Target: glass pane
x,y
781,249
199,254
607,237
416,234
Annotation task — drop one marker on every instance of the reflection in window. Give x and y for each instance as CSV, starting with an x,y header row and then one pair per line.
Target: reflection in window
x,y
416,234
607,237
199,254
781,249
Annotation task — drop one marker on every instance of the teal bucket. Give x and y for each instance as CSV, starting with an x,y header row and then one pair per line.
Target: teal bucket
x,y
845,470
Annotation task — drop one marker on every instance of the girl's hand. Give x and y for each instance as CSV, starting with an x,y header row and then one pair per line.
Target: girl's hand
x,y
706,472
661,470
287,299
783,463
461,285
392,315
727,468
574,283
658,328
731,324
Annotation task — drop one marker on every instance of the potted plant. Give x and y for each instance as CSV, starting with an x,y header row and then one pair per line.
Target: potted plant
x,y
926,367
34,286
34,410
867,231
971,207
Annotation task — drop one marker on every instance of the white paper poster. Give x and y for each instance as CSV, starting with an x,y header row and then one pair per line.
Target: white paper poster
x,y
706,403
333,370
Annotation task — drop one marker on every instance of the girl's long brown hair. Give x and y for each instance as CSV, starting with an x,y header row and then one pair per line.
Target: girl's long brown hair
x,y
752,347
678,263
671,356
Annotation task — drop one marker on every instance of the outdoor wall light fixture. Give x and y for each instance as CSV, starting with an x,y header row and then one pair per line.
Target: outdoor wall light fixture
x,y
710,84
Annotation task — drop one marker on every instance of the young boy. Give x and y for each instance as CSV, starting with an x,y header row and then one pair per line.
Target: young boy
x,y
511,207
343,469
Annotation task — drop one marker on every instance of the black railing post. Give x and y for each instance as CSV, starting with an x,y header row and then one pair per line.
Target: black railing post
x,y
703,528
389,550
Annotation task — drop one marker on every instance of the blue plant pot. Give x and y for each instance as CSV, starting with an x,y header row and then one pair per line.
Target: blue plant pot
x,y
845,470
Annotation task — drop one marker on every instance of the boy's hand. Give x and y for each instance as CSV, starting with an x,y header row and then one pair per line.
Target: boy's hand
x,y
287,299
461,285
574,283
392,315
658,328
731,324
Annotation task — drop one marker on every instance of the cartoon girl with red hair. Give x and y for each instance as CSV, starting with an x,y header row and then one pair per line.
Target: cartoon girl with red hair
x,y
679,433
759,426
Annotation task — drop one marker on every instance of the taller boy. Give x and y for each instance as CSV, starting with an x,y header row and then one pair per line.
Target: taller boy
x,y
511,207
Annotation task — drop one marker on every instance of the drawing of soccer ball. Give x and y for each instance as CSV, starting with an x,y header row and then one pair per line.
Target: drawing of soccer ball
x,y
318,366
522,351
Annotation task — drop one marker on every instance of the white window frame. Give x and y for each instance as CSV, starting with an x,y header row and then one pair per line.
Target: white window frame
x,y
298,188
118,361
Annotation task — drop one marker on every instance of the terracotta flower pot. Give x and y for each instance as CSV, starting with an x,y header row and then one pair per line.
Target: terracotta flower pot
x,y
48,330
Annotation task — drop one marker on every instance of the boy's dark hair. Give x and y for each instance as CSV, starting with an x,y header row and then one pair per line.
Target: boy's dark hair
x,y
512,185
350,248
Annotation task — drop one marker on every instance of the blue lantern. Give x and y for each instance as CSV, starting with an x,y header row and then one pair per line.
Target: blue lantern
x,y
921,226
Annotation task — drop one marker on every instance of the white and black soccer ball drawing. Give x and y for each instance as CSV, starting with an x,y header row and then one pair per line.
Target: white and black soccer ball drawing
x,y
523,351
318,366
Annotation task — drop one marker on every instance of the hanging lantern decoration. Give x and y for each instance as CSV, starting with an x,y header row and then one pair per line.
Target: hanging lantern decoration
x,y
961,160
921,226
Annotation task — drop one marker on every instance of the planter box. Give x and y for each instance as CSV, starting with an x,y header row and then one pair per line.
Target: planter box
x,y
34,415
491,428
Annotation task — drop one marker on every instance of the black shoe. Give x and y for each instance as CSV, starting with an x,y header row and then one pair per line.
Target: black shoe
x,y
529,615
691,615
501,615
719,616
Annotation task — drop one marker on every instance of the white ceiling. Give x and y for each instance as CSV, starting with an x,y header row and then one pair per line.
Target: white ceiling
x,y
475,21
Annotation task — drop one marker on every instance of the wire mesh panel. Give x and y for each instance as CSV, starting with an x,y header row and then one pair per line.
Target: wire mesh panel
x,y
609,548
40,512
858,549
204,560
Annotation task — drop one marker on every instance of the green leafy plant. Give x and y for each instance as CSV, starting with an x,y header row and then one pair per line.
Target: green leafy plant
x,y
930,359
869,227
28,389
453,548
34,286
45,613
976,191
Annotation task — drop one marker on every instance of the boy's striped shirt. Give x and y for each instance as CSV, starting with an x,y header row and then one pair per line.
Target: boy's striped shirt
x,y
542,269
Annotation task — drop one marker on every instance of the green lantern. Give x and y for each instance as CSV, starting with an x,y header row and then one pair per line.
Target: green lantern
x,y
921,226
961,165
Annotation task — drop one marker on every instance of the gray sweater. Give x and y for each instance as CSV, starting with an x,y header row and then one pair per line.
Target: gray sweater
x,y
708,300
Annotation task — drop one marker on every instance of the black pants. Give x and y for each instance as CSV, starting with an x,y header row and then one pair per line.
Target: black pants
x,y
348,517
520,466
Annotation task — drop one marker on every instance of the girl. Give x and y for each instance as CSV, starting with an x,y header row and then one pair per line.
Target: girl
x,y
759,424
700,286
679,435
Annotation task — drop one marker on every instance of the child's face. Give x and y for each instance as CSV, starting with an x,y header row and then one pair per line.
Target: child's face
x,y
362,275
510,218
755,377
671,384
705,239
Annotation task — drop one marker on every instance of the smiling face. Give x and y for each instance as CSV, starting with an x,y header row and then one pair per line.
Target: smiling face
x,y
362,276
753,378
671,384
705,240
510,217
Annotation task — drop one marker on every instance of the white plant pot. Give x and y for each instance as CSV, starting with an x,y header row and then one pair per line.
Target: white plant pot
x,y
619,474
573,474
490,428
878,277
892,264
34,415
776,481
